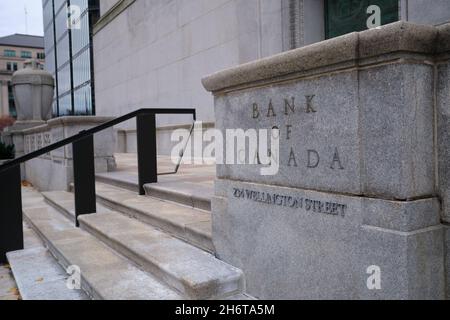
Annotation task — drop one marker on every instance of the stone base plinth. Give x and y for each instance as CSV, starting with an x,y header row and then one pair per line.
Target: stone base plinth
x,y
299,244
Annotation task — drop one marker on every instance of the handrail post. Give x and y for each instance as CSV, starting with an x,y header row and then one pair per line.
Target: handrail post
x,y
84,177
146,149
11,225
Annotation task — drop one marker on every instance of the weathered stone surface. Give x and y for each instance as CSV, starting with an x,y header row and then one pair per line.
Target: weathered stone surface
x,y
54,171
302,253
443,38
378,122
447,258
191,225
443,136
105,274
396,37
193,272
396,128
40,277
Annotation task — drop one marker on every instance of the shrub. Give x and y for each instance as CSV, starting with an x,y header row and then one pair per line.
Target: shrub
x,y
6,122
6,151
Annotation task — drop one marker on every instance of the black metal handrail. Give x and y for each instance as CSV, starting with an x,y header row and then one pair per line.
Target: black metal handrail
x,y
11,233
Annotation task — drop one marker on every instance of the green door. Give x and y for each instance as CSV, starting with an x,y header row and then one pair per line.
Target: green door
x,y
345,16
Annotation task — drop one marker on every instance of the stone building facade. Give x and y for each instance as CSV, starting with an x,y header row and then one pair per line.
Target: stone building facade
x,y
154,53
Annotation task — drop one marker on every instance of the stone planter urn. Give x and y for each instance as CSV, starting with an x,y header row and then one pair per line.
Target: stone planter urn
x,y
33,93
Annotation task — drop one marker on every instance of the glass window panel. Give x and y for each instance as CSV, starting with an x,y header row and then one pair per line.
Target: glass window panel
x,y
9,53
49,39
61,23
25,54
345,16
48,13
55,108
83,4
63,51
82,100
64,80
50,62
80,37
81,68
59,4
65,105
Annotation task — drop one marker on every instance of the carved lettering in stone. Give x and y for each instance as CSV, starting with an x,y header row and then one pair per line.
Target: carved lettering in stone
x,y
286,106
309,104
301,203
336,161
292,159
289,106
39,141
313,159
271,112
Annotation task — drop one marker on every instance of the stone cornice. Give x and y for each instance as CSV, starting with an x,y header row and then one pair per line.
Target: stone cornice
x,y
347,50
68,120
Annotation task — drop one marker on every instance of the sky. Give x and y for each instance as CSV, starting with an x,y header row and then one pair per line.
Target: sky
x,y
12,17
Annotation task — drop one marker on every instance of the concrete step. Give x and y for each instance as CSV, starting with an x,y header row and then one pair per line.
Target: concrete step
x,y
39,276
189,192
189,224
105,274
193,272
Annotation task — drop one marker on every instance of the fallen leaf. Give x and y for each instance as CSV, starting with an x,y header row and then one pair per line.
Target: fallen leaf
x,y
26,184
39,279
14,291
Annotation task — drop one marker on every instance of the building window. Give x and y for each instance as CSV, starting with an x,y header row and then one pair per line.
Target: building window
x,y
9,53
25,55
345,16
41,55
11,66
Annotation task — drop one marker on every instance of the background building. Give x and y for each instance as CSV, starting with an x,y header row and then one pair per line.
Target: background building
x,y
14,50
69,52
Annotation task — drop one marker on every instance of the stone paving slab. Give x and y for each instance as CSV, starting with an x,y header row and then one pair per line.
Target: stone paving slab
x,y
40,277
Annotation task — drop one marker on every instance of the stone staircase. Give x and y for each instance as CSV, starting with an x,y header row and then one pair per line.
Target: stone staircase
x,y
135,247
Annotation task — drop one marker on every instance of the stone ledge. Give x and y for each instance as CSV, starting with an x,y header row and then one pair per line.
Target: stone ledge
x,y
399,37
68,120
443,42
